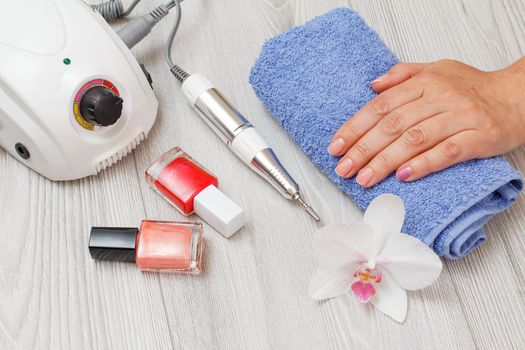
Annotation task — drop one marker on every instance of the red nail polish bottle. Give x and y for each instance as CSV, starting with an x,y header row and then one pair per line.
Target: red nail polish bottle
x,y
155,246
189,187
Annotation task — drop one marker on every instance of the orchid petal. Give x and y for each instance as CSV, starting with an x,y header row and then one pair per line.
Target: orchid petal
x,y
327,284
341,245
385,214
410,262
391,299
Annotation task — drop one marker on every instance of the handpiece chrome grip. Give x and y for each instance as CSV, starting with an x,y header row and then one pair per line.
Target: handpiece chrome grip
x,y
220,115
216,111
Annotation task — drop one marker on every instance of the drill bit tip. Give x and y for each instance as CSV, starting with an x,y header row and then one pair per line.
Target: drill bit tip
x,y
308,208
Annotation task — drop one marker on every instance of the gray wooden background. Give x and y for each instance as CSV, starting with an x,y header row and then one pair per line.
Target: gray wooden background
x,y
253,292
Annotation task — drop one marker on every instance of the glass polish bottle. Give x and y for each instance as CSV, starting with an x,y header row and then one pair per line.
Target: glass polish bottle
x,y
154,246
191,188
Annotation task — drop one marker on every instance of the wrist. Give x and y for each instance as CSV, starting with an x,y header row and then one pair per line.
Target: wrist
x,y
511,88
513,77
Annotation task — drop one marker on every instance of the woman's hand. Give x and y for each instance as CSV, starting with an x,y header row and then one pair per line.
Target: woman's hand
x,y
428,117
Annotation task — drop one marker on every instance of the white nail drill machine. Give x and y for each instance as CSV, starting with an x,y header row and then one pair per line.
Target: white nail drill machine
x,y
73,99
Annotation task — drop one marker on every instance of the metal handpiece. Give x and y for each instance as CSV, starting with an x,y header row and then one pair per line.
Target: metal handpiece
x,y
241,137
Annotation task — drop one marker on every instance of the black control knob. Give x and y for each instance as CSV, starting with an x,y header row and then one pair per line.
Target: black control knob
x,y
100,106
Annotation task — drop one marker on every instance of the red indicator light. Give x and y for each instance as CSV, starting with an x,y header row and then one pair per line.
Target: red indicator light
x,y
86,86
78,97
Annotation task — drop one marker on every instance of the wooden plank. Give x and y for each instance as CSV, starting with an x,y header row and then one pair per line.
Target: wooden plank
x,y
253,292
53,294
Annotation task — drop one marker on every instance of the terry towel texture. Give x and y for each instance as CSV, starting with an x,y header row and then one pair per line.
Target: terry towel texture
x,y
316,76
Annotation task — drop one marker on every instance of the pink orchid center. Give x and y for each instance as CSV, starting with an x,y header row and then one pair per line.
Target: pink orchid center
x,y
363,288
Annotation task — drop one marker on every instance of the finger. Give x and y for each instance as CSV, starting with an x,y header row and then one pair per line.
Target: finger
x,y
356,127
411,143
385,132
453,150
396,75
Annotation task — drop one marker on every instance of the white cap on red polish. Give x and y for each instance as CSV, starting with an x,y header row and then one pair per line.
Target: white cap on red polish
x,y
191,188
219,211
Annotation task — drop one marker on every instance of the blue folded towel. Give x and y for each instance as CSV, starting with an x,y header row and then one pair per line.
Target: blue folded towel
x,y
316,76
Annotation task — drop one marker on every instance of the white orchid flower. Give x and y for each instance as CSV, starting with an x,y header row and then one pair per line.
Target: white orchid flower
x,y
373,259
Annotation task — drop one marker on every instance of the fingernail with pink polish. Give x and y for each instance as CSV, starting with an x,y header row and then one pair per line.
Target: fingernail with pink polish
x,y
336,146
378,79
404,173
365,176
344,167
